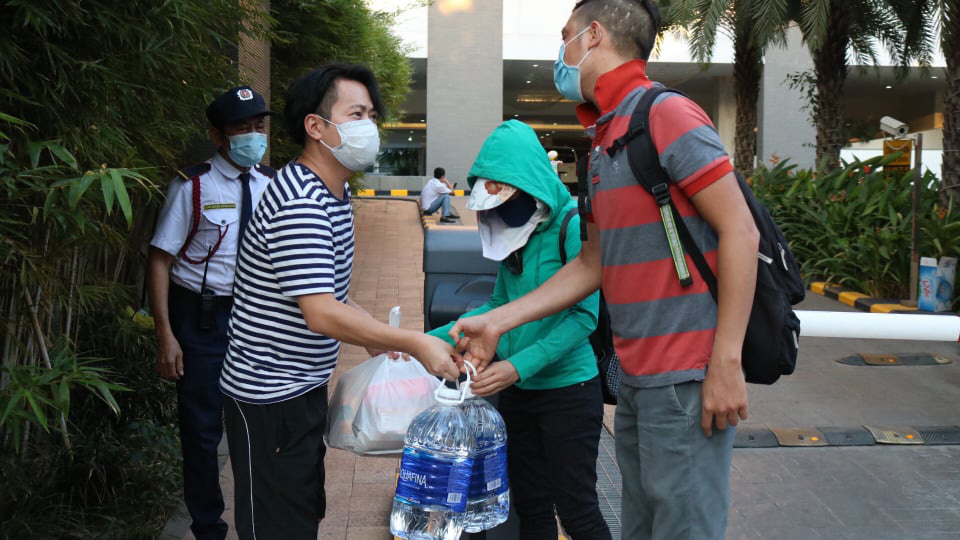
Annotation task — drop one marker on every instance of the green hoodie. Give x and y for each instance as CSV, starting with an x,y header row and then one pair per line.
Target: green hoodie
x,y
553,352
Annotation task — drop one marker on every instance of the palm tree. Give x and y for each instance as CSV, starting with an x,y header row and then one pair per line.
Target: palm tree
x,y
950,43
924,18
834,28
755,25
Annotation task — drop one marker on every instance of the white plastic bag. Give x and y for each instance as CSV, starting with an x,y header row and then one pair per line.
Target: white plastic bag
x,y
398,391
374,403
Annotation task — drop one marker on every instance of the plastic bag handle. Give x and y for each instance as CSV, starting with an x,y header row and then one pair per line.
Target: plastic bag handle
x,y
464,389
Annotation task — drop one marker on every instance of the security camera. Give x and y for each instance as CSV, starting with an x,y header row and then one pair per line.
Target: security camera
x,y
893,127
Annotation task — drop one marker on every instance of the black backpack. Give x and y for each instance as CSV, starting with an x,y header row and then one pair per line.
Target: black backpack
x,y
771,342
601,340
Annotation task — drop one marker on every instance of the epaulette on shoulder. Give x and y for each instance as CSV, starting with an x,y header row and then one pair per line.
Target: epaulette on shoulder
x,y
187,173
266,170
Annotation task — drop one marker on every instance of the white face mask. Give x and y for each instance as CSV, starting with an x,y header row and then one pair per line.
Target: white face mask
x,y
499,239
359,144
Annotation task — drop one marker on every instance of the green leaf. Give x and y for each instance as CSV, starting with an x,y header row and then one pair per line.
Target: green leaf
x,y
37,410
11,405
122,197
63,391
63,155
34,149
106,185
78,187
48,203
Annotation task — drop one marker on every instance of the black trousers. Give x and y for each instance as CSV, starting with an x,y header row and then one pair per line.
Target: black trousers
x,y
276,451
552,440
200,409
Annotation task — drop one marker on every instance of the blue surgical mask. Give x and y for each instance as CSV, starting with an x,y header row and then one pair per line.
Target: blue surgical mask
x,y
247,149
566,77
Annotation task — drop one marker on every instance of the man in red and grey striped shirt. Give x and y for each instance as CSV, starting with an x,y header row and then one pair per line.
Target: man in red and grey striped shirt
x,y
682,391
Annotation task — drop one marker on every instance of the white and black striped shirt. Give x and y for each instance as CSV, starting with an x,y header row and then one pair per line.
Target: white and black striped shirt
x,y
299,242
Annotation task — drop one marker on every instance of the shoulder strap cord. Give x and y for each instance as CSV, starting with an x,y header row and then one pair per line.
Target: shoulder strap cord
x,y
196,225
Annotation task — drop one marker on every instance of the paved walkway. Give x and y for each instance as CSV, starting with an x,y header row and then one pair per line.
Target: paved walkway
x,y
850,493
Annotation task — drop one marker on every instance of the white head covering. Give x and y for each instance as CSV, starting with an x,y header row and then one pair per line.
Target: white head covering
x,y
499,239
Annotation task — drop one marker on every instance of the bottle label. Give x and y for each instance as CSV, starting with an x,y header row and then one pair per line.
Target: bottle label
x,y
489,476
427,481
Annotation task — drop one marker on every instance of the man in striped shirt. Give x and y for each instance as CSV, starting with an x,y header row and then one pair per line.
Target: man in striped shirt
x,y
682,390
291,308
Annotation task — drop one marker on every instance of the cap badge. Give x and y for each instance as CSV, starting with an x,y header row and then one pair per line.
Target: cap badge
x,y
245,94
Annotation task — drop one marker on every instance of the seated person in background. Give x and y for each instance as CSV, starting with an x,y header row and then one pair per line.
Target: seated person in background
x,y
549,386
436,194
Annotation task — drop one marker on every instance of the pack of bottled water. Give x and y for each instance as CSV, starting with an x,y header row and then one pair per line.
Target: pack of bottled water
x,y
453,473
488,498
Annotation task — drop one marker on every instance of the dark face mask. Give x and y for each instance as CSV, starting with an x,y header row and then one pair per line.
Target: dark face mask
x,y
518,210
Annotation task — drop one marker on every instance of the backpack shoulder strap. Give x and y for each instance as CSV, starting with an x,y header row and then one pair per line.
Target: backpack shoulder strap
x,y
642,155
644,161
563,234
645,165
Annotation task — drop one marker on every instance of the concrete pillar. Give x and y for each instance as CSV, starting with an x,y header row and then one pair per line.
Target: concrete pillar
x,y
725,114
785,129
464,81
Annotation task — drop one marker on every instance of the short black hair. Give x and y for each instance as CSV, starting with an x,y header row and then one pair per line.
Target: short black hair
x,y
633,24
316,92
439,172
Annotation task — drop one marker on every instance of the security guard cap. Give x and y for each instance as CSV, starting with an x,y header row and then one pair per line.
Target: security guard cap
x,y
236,104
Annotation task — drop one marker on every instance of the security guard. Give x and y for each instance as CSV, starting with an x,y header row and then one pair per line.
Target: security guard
x,y
192,260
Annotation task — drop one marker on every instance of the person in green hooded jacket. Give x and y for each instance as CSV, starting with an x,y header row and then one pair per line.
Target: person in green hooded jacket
x,y
550,396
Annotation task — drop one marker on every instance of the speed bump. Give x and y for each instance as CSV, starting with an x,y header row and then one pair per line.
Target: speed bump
x,y
937,435
895,359
838,436
799,437
895,435
755,438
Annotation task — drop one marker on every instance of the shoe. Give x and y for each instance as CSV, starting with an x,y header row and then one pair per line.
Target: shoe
x,y
455,216
447,219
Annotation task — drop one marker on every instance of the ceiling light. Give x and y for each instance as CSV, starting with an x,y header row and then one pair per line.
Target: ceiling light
x,y
542,98
516,115
888,87
536,65
528,82
422,121
410,138
934,77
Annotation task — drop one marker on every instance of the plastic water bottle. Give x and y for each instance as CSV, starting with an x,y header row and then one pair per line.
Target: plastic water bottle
x,y
488,499
435,471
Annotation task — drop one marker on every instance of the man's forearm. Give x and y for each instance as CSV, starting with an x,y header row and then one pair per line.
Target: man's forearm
x,y
351,324
736,283
575,281
158,288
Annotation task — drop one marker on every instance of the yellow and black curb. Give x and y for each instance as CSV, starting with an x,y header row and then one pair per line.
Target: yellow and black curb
x,y
859,300
399,193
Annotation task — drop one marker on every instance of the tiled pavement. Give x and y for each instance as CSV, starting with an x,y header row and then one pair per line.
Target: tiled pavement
x,y
877,492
